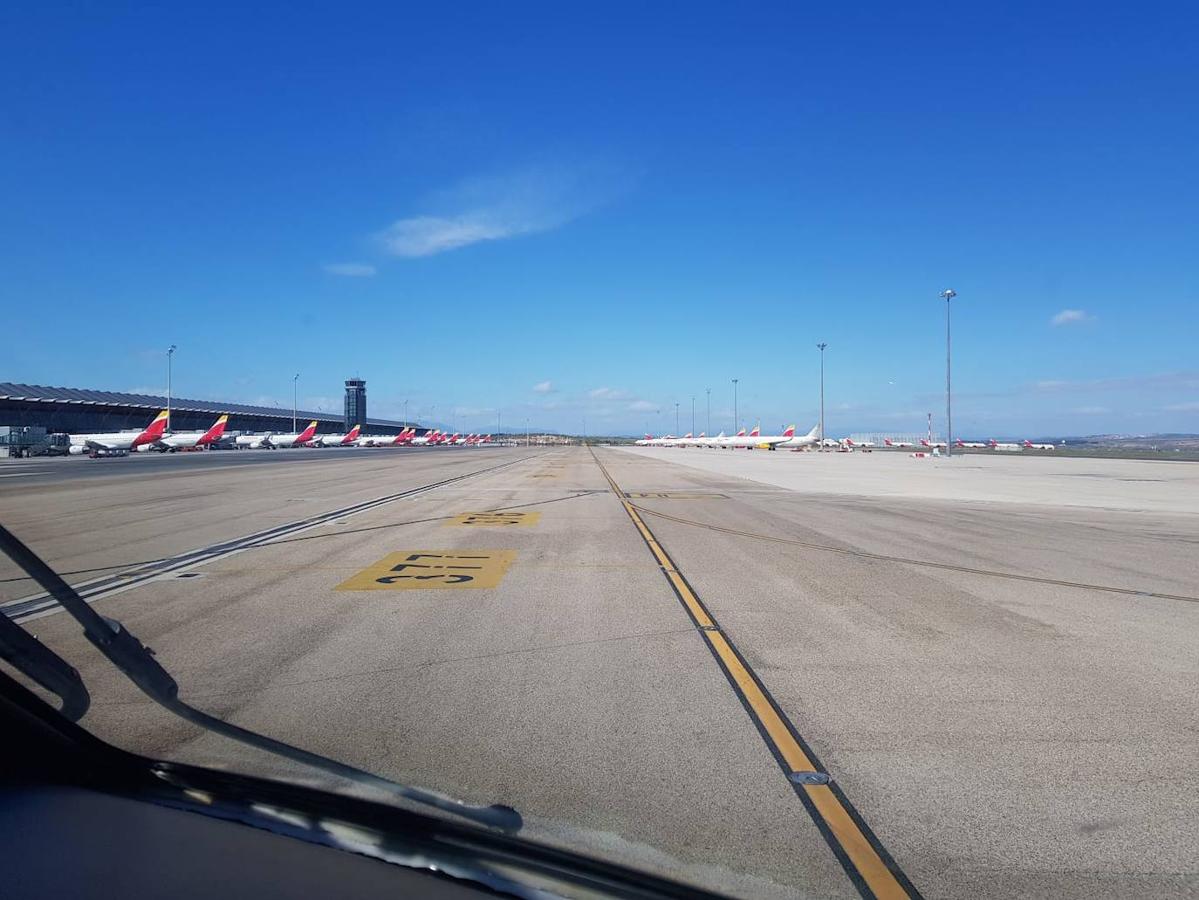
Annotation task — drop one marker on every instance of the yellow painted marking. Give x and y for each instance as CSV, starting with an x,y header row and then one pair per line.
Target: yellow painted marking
x,y
865,859
496,518
780,734
675,495
423,569
849,836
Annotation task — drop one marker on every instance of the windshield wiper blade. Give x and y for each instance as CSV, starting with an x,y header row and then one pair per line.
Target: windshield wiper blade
x,y
26,653
137,661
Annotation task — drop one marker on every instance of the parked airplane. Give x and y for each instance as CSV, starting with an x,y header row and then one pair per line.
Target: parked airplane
x,y
972,445
727,443
294,440
119,440
779,440
930,445
795,442
337,440
850,442
995,445
429,437
255,441
898,444
387,440
184,440
1029,445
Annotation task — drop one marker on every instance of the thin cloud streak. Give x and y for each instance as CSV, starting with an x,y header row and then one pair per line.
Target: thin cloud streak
x,y
1071,317
528,201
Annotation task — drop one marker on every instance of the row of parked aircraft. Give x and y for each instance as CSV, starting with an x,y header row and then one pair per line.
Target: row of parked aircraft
x,y
154,437
789,440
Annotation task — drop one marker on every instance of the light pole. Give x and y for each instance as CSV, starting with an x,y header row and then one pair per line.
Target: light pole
x,y
295,382
708,428
170,353
821,347
405,415
676,418
693,415
526,434
735,380
948,295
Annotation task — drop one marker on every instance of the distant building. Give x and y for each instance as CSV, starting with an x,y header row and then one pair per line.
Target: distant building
x,y
355,403
83,410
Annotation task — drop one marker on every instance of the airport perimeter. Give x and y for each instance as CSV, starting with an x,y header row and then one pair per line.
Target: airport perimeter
x,y
773,674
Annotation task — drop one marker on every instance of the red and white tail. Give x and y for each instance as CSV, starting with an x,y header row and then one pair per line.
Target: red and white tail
x,y
352,436
789,431
307,433
213,434
153,431
1027,443
923,442
887,441
741,433
757,432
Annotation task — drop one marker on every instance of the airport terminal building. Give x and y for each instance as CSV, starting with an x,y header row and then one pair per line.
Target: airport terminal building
x,y
84,411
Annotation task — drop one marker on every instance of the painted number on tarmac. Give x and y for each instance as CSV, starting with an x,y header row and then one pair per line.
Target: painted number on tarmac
x,y
496,518
674,495
421,569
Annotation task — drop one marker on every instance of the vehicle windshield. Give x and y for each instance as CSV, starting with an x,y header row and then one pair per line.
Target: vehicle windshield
x,y
756,445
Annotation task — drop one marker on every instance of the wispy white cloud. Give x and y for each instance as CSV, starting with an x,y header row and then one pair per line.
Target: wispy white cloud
x,y
1071,317
1188,406
607,393
543,387
350,269
492,208
642,406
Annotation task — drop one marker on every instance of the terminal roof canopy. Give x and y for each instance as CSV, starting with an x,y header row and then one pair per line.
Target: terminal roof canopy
x,y
41,393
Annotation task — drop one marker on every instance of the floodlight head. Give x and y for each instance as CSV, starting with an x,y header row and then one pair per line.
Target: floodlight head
x,y
949,294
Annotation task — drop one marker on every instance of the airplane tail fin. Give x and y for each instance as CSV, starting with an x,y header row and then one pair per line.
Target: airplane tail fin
x,y
307,433
789,431
153,431
353,435
757,432
213,434
741,433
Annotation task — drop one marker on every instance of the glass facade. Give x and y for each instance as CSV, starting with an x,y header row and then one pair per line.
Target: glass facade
x,y
355,402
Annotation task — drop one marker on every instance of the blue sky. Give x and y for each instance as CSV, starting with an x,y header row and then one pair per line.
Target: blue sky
x,y
563,212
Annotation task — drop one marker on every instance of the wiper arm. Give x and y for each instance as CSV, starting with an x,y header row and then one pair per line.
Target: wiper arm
x,y
43,665
137,661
